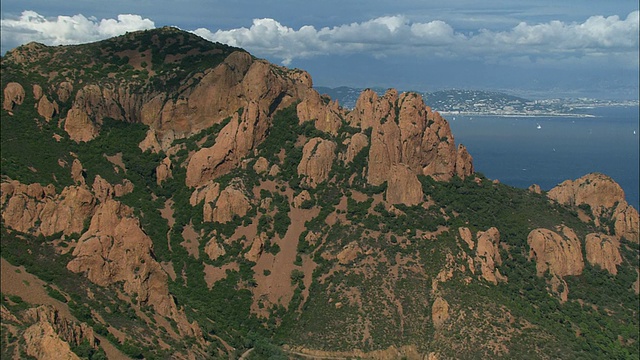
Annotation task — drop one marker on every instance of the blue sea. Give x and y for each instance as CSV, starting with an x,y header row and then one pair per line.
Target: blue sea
x,y
521,151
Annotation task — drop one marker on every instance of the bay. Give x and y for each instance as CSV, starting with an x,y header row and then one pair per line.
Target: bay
x,y
546,150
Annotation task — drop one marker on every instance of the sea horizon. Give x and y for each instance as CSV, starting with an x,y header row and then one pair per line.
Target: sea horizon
x,y
547,150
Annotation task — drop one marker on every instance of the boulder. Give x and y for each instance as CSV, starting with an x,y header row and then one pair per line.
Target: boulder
x,y
488,255
604,251
13,96
558,252
231,202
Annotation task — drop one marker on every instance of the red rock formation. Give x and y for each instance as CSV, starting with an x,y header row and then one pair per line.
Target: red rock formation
x,y
439,312
322,111
257,246
214,249
42,342
67,330
488,255
64,91
605,199
301,198
604,251
405,131
13,96
79,126
115,249
47,109
38,210
261,166
77,172
231,202
355,144
560,253
404,186
163,171
465,234
317,159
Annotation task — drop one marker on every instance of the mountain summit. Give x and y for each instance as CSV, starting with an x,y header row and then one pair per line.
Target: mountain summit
x,y
171,197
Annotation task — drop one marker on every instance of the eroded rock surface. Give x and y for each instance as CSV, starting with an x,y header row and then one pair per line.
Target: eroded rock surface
x,y
13,96
558,252
605,201
603,251
317,159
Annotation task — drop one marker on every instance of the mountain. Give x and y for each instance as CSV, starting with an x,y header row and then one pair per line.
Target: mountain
x,y
167,197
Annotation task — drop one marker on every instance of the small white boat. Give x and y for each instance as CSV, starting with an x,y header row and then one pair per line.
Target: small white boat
x,y
539,127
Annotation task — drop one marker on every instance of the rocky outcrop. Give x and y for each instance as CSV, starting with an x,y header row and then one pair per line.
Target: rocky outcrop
x,y
163,171
231,202
103,190
464,162
39,210
404,186
535,188
439,312
406,131
47,109
488,255
317,159
50,336
465,234
558,252
248,91
214,249
321,110
301,198
603,251
37,92
626,222
207,193
42,342
605,201
257,246
355,144
79,126
69,331
261,165
13,96
349,253
114,250
78,173
64,91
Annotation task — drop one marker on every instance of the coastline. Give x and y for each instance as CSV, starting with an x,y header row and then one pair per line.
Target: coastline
x,y
511,115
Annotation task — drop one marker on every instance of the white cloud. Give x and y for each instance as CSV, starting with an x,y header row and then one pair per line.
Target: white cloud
x,y
396,35
63,30
597,37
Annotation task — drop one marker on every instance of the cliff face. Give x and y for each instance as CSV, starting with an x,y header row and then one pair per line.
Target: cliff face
x,y
603,201
406,131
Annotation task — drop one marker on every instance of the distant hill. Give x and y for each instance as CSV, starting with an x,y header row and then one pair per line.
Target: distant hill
x,y
480,102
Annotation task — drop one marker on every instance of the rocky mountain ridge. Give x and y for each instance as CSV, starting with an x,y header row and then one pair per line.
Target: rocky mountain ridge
x,y
179,177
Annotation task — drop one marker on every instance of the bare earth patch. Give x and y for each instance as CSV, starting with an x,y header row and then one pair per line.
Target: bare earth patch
x,y
213,274
117,161
190,242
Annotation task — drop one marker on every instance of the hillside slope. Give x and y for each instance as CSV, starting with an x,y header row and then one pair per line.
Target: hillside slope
x,y
167,197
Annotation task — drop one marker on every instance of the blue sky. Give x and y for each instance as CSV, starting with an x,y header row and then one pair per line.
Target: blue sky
x,y
532,48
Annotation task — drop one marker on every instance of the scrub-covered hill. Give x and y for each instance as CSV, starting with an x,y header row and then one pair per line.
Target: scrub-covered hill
x,y
167,197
